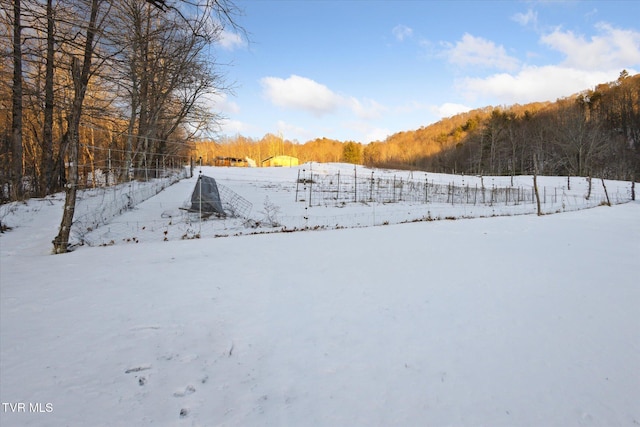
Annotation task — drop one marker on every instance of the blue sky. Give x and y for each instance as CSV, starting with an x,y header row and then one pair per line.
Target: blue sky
x,y
361,70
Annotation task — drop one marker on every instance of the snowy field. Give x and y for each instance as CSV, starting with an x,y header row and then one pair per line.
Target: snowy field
x,y
388,315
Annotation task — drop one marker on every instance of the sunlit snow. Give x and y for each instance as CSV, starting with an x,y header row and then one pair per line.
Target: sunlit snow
x,y
377,314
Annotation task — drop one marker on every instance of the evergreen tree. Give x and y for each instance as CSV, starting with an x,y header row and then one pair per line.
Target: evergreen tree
x,y
352,153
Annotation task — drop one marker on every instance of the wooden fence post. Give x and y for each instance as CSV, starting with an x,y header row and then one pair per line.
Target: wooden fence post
x,y
535,183
605,192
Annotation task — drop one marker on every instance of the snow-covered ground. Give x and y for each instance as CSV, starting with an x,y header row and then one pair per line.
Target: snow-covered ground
x,y
514,320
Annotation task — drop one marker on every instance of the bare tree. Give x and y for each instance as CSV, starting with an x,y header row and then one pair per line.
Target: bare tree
x,y
80,74
165,67
165,76
579,140
47,132
16,115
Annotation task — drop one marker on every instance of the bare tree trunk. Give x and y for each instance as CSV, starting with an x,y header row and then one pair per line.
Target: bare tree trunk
x,y
47,150
61,242
535,183
128,160
16,115
143,100
80,81
91,157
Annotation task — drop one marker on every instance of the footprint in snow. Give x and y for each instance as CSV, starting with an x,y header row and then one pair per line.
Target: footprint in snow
x,y
187,391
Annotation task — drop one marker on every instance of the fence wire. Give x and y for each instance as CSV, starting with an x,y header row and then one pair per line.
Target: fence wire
x,y
97,207
233,203
335,189
328,200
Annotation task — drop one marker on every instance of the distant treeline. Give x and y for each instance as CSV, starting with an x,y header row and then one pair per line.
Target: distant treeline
x,y
322,150
595,132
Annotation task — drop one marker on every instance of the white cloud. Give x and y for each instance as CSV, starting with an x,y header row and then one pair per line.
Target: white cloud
x,y
400,32
586,63
301,93
366,109
591,14
290,131
368,132
377,134
305,94
231,41
531,84
233,127
476,51
449,109
525,19
611,48
220,103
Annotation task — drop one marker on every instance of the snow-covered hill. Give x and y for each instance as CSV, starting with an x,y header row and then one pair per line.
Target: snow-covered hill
x,y
502,321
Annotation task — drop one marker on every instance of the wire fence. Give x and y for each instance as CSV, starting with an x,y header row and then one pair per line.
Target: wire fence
x,y
339,189
328,200
98,206
99,219
234,204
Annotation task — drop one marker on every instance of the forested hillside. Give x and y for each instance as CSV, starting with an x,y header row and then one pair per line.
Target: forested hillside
x,y
596,132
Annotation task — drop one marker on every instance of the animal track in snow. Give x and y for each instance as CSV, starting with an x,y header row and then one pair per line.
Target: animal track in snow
x,y
187,391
